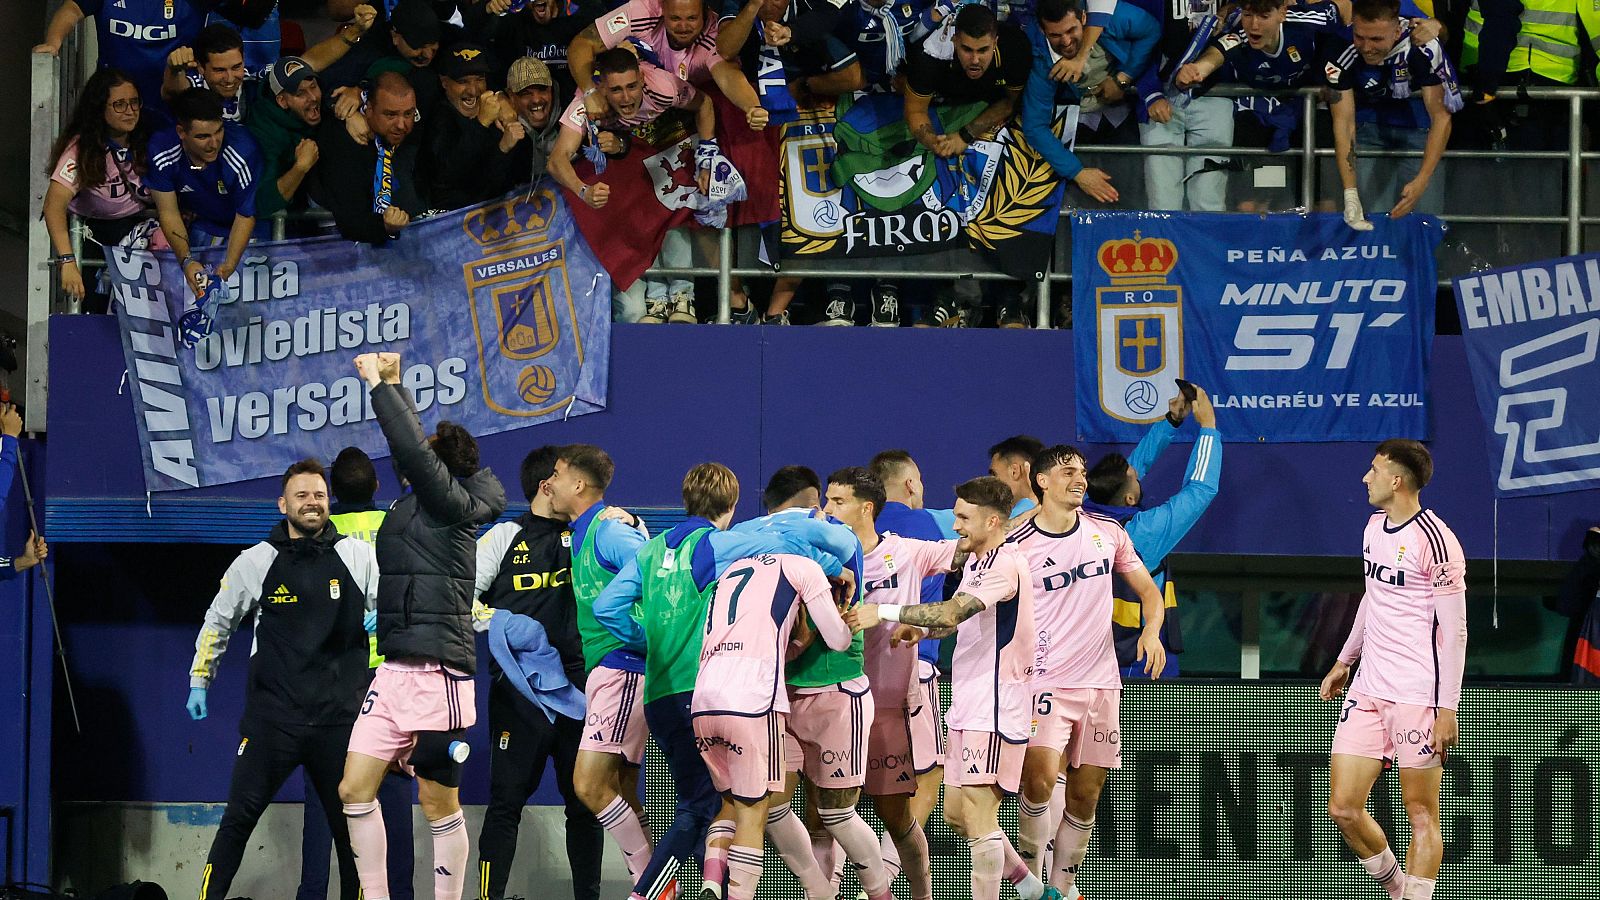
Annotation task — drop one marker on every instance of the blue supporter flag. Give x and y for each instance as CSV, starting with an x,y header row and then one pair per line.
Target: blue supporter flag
x,y
1533,345
1300,329
500,313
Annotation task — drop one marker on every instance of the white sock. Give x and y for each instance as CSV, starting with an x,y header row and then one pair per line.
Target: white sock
x,y
1385,870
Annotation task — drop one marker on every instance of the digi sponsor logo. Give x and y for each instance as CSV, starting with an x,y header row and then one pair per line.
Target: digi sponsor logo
x,y
121,28
1385,574
1092,569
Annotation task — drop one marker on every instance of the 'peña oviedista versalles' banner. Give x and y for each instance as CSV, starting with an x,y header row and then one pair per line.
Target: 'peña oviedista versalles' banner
x,y
500,313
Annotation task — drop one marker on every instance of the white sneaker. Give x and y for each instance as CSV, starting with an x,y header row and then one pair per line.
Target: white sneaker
x,y
839,312
655,313
681,308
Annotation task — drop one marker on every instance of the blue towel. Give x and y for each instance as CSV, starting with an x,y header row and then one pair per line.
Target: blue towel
x,y
521,647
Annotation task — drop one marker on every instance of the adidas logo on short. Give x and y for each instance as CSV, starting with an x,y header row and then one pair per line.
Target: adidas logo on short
x,y
441,870
972,770
596,737
904,776
837,773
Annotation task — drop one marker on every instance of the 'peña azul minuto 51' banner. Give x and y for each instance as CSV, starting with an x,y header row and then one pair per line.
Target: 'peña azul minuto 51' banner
x,y
1301,329
500,313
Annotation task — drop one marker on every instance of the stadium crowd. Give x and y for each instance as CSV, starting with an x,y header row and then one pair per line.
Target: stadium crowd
x,y
207,118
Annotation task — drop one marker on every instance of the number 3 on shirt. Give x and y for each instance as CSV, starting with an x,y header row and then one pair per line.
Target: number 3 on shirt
x,y
743,575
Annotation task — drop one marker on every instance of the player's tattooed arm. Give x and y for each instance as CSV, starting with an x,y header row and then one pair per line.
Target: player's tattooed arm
x,y
939,633
948,614
959,561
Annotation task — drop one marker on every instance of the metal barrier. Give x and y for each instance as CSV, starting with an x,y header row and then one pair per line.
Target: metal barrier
x,y
48,111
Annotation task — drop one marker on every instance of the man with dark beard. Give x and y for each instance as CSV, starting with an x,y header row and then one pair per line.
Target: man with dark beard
x,y
309,588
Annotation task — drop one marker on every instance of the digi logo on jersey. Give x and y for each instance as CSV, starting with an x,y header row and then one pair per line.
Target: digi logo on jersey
x,y
1057,580
1140,326
1385,574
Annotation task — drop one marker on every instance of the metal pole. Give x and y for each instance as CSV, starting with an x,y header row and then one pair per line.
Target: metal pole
x,y
1308,152
1042,310
1574,175
75,237
49,592
725,276
279,225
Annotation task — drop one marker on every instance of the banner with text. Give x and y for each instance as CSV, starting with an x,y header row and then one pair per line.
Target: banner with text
x,y
500,313
856,184
1533,345
1300,328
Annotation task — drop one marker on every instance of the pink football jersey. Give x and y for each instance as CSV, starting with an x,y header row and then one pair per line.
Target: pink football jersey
x,y
1410,632
893,573
747,632
992,666
1072,598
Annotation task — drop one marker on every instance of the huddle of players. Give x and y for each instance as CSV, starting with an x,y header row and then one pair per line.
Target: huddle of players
x,y
1035,687
788,644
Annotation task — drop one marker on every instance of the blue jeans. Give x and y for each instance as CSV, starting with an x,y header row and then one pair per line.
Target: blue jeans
x,y
698,801
394,798
1381,180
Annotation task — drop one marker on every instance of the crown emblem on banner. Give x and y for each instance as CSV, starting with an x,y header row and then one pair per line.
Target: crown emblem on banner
x,y
1135,259
523,217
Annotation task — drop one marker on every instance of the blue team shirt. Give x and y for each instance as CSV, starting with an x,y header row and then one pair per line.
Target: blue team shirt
x,y
216,192
136,37
1375,86
1307,33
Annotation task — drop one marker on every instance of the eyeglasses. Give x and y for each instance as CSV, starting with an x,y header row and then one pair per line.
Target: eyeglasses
x,y
122,106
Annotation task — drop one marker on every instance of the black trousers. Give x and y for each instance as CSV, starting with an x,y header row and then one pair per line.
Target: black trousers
x,y
268,754
521,742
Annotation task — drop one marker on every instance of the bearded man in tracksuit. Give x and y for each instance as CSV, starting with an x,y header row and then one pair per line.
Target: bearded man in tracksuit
x,y
309,588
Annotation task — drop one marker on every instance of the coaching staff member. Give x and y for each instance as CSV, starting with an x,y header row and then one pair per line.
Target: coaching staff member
x,y
309,588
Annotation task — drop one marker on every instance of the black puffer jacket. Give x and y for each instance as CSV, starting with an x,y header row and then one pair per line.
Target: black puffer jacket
x,y
427,549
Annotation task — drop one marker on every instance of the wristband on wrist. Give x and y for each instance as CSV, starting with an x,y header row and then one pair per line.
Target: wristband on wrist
x,y
889,612
185,261
63,259
966,135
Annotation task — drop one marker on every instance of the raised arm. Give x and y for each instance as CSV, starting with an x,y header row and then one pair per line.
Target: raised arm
x,y
733,32
441,495
580,57
330,50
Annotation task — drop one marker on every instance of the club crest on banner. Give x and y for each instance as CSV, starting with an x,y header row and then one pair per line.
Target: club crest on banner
x,y
522,305
674,174
1140,328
